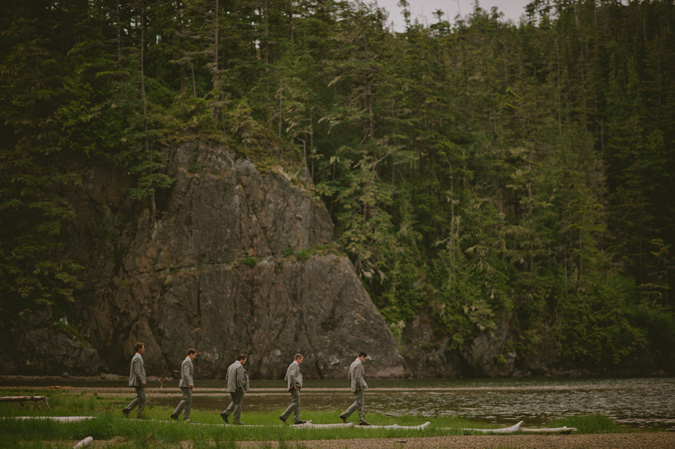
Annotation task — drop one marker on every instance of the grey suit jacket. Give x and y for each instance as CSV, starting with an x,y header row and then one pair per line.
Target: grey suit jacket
x,y
356,376
293,376
236,378
137,371
186,373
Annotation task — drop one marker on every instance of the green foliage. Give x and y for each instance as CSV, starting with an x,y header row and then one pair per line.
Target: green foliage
x,y
594,325
34,274
474,170
303,255
659,324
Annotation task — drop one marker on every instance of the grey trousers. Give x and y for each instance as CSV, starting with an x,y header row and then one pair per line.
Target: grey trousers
x,y
184,403
294,407
139,401
359,402
235,406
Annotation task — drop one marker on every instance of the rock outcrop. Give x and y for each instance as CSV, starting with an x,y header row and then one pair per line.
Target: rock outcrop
x,y
428,351
236,261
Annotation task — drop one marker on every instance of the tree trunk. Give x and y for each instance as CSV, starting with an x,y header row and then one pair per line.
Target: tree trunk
x,y
144,100
215,56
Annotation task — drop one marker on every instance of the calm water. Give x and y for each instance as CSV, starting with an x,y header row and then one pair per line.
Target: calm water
x,y
644,402
633,402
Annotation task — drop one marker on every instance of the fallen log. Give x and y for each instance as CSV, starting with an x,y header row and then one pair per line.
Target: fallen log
x,y
311,425
396,426
514,428
563,429
86,442
53,418
21,399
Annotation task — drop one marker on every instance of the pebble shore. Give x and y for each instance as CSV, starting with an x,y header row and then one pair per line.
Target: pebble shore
x,y
656,440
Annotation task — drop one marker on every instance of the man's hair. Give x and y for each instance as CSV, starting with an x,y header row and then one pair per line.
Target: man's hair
x,y
241,357
363,354
138,346
298,356
192,351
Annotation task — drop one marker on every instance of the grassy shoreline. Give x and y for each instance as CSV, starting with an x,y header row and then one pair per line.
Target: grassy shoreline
x,y
207,428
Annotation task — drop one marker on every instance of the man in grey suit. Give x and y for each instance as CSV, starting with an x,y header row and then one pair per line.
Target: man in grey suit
x,y
294,384
186,385
137,380
237,385
358,387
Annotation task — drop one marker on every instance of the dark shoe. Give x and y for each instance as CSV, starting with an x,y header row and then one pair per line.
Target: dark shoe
x,y
140,417
224,416
282,419
364,423
344,420
239,423
300,422
125,413
175,418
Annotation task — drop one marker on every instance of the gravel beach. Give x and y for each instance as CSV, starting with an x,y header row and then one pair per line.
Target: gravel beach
x,y
657,440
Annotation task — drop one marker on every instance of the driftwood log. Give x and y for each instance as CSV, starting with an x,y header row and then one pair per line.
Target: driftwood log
x,y
84,443
37,400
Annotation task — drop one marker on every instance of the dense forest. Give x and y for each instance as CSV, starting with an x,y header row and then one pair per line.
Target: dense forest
x,y
474,169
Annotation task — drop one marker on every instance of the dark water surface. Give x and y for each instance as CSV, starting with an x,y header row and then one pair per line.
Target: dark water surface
x,y
644,402
637,402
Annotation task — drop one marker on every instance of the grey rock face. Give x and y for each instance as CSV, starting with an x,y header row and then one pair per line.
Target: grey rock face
x,y
44,347
428,352
236,262
486,353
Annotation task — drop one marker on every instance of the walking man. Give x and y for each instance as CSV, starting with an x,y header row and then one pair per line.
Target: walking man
x,y
294,384
186,385
237,385
358,387
137,380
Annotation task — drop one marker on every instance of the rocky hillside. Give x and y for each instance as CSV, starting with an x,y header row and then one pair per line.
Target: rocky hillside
x,y
236,261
